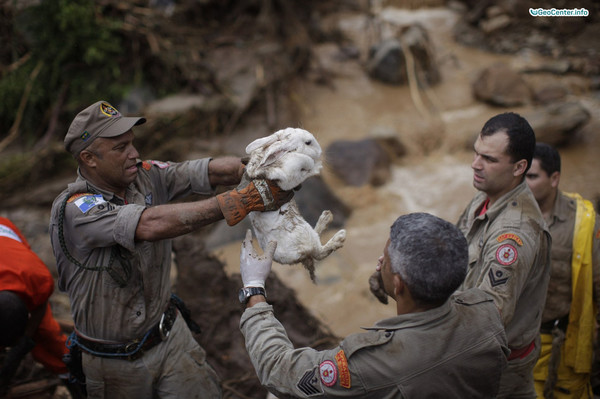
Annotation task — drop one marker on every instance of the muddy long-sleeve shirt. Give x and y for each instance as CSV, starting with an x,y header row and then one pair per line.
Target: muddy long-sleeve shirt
x,y
457,350
124,286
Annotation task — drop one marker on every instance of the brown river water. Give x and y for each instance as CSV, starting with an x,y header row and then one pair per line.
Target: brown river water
x,y
435,179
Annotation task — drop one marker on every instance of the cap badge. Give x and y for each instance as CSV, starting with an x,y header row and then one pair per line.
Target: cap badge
x,y
85,135
108,110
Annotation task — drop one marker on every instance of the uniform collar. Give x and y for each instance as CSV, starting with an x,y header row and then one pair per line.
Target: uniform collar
x,y
410,320
108,195
563,207
502,202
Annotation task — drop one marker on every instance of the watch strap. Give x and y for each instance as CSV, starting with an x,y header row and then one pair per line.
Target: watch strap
x,y
247,292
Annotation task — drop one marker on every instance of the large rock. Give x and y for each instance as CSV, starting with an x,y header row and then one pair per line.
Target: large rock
x,y
500,85
556,123
388,63
314,197
361,162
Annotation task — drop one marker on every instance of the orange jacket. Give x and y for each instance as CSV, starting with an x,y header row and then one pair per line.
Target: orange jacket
x,y
24,273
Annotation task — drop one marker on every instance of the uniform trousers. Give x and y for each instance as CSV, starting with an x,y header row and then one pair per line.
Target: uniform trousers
x,y
175,368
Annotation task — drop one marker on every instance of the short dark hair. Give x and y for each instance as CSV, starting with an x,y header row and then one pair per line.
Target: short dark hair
x,y
430,255
13,318
521,138
548,156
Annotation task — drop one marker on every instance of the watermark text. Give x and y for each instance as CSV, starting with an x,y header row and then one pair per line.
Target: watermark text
x,y
559,12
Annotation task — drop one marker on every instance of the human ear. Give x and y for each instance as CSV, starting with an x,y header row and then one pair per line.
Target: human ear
x,y
555,179
520,167
398,285
87,157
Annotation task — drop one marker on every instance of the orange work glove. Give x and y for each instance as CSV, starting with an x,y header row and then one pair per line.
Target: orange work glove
x,y
251,195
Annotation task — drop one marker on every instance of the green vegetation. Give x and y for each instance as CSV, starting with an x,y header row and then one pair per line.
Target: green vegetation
x,y
65,51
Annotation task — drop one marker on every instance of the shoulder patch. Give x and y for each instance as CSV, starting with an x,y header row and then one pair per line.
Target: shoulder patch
x,y
6,231
510,236
328,373
87,202
78,195
598,233
342,363
309,383
497,277
160,164
146,165
507,254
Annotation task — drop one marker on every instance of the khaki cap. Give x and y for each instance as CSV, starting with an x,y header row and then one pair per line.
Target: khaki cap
x,y
98,120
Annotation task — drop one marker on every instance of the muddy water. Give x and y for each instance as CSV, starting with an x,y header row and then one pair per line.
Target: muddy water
x,y
434,178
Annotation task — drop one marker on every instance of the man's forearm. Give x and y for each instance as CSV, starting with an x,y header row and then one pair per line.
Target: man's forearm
x,y
226,171
173,220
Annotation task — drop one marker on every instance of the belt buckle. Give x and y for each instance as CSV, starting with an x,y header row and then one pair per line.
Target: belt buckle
x,y
130,347
161,328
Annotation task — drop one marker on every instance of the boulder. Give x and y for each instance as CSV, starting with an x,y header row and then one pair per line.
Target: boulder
x,y
556,123
551,93
361,162
388,63
499,85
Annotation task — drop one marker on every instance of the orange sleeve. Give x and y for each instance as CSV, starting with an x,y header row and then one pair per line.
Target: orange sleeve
x,y
22,271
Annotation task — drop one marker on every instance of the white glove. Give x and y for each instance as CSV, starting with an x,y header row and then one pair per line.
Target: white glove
x,y
254,268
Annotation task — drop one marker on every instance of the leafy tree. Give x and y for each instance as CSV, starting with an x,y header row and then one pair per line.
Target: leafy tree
x,y
66,51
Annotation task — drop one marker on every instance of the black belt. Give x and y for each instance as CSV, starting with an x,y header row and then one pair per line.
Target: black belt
x,y
134,349
562,323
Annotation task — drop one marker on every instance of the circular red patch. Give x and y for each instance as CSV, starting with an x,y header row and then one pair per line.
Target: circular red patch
x,y
328,373
506,254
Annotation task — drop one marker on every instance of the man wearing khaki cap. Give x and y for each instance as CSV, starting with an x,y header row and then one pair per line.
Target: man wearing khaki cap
x,y
111,231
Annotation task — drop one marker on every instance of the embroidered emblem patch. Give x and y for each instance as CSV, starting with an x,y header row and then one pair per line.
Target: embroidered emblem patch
x,y
87,202
6,231
146,165
148,199
497,277
108,110
328,373
506,254
309,383
160,164
342,363
85,135
510,236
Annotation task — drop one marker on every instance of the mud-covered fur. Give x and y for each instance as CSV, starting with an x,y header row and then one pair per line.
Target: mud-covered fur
x,y
289,157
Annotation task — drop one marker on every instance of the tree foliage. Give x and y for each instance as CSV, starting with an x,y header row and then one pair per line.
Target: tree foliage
x,y
76,45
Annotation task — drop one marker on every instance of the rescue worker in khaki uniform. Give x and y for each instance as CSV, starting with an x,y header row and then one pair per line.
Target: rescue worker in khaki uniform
x,y
438,345
110,232
567,332
509,244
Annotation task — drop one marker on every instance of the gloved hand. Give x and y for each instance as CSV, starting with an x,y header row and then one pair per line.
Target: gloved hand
x,y
376,284
13,359
251,195
254,268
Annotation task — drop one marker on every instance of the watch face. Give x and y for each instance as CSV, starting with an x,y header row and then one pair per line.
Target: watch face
x,y
242,296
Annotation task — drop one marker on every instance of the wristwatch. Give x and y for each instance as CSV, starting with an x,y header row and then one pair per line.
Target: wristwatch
x,y
247,292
